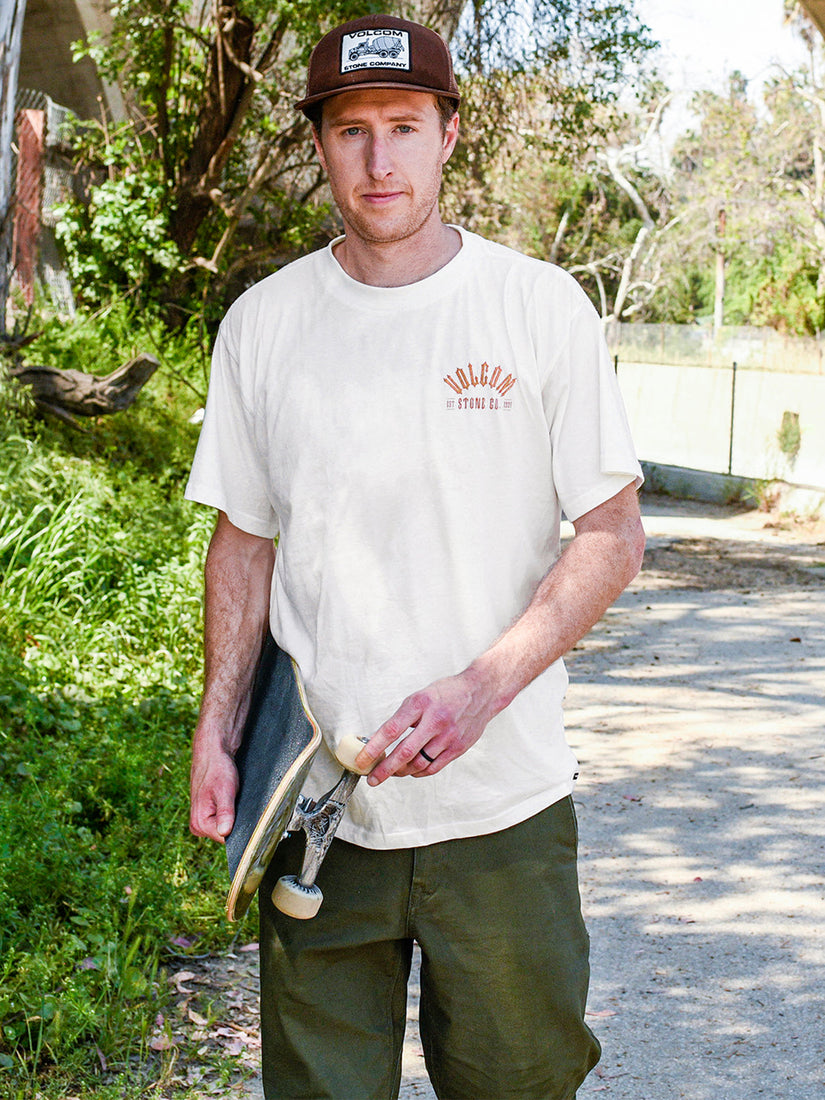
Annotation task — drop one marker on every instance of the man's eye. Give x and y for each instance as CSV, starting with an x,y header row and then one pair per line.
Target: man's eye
x,y
405,129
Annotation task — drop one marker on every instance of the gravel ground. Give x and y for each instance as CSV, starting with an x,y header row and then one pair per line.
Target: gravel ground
x,y
696,710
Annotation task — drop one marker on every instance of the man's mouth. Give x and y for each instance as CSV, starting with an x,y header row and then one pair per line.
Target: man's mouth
x,y
381,198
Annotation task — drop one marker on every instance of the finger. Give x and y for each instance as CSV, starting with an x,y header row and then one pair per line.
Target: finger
x,y
213,815
421,766
204,825
216,827
420,763
440,762
224,820
407,715
405,758
216,836
434,729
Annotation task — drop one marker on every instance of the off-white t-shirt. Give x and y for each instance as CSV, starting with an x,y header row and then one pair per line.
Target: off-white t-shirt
x,y
413,448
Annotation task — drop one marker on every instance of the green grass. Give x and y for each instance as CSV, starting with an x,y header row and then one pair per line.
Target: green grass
x,y
100,609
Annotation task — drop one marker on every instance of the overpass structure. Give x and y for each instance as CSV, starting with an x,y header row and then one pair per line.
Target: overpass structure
x,y
49,29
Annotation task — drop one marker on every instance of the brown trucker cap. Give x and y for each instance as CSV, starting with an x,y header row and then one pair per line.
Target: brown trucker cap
x,y
379,51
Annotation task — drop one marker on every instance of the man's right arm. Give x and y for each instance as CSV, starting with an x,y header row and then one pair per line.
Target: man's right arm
x,y
238,576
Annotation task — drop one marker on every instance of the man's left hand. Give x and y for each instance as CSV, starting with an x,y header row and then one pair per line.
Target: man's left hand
x,y
447,718
444,721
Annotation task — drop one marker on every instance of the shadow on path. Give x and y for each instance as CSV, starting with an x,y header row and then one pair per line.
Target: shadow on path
x,y
698,719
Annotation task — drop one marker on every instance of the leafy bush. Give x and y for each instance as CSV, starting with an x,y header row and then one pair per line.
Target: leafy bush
x,y
100,586
121,238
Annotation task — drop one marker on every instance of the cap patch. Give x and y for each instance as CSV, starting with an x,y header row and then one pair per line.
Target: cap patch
x,y
375,49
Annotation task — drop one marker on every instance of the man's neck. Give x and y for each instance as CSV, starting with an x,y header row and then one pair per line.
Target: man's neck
x,y
398,263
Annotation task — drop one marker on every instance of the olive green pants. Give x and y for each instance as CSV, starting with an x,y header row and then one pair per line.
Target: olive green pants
x,y
503,980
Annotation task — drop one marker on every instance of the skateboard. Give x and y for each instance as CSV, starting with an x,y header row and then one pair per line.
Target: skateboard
x,y
279,742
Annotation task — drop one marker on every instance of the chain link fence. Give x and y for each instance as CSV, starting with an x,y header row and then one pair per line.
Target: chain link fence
x,y
43,179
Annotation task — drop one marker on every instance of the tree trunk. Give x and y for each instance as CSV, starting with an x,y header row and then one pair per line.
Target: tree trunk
x,y
217,129
719,287
719,293
11,30
70,393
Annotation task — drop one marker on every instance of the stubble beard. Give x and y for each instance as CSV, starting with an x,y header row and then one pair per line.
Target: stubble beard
x,y
389,227
389,230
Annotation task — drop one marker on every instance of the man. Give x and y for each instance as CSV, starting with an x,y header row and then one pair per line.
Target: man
x,y
408,410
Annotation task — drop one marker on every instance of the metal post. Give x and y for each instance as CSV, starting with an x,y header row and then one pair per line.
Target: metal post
x,y
11,31
732,411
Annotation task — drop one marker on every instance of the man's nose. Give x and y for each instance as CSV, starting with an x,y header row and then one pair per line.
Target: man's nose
x,y
379,163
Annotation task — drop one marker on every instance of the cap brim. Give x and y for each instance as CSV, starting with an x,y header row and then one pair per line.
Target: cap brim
x,y
403,86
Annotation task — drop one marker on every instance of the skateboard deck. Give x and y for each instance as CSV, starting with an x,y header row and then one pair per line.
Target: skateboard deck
x,y
279,742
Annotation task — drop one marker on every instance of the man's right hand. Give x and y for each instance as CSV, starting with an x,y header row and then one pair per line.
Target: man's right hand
x,y
236,611
213,785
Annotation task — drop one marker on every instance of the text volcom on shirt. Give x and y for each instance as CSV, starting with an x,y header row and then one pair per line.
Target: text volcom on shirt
x,y
494,379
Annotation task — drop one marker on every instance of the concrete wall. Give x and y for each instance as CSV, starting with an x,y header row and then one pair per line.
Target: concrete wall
x,y
49,29
681,416
715,401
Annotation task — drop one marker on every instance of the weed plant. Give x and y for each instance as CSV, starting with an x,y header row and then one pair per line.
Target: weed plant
x,y
100,608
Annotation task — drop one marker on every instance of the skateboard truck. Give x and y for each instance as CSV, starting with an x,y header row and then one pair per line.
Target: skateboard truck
x,y
297,895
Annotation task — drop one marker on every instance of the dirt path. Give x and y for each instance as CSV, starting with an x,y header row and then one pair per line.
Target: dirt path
x,y
696,710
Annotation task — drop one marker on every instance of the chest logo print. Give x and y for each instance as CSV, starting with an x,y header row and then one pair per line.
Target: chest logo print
x,y
488,387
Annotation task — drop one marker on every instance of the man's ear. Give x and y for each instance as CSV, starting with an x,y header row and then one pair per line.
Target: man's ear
x,y
450,138
319,149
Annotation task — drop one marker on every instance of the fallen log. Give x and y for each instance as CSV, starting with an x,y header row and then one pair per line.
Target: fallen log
x,y
70,393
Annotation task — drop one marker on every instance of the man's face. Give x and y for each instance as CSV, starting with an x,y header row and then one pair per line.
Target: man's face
x,y
383,150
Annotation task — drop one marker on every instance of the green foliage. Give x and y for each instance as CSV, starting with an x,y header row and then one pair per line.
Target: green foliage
x,y
195,197
100,586
206,186
119,239
539,87
99,342
789,436
210,175
747,186
785,291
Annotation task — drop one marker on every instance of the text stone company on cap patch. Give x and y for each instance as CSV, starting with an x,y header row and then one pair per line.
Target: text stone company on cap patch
x,y
375,49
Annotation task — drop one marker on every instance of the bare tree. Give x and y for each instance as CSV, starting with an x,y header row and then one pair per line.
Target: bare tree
x,y
636,267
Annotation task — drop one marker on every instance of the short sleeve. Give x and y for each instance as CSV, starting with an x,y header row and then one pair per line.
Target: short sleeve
x,y
229,471
593,453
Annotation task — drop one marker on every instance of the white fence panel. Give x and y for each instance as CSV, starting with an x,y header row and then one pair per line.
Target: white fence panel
x,y
681,416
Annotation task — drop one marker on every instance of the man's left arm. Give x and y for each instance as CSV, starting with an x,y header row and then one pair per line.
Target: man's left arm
x,y
448,717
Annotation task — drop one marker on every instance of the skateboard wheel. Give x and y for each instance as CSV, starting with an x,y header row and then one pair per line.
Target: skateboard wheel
x,y
348,748
296,900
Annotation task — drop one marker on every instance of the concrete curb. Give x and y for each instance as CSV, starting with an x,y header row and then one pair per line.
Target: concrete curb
x,y
714,488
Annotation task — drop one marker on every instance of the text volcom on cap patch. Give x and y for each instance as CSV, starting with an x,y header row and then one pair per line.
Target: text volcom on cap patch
x,y
375,49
